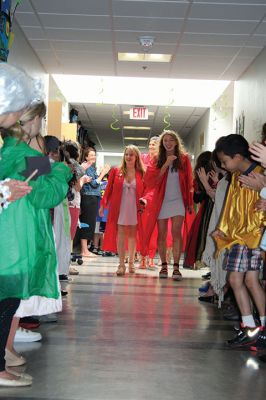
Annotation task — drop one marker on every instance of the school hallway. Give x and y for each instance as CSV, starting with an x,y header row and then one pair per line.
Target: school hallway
x,y
135,338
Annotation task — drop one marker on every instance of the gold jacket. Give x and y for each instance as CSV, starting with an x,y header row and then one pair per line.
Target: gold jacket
x,y
240,222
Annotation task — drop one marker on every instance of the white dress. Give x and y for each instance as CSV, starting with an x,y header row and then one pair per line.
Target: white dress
x,y
173,202
128,206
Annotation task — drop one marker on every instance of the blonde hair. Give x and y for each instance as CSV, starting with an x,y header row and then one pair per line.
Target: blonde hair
x,y
138,164
36,110
179,150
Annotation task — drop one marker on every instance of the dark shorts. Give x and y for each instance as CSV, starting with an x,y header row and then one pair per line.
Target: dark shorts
x,y
242,259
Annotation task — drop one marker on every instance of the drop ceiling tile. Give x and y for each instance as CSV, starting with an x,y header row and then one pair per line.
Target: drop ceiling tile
x,y
147,24
150,9
225,27
214,39
34,33
261,30
248,52
100,7
132,37
208,51
72,34
40,44
227,11
237,68
76,21
136,69
27,19
76,46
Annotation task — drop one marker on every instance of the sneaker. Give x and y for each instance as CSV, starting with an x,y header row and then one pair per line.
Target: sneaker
x,y
26,336
261,341
245,337
204,288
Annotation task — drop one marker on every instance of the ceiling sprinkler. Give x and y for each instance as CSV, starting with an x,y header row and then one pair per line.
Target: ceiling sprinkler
x,y
146,42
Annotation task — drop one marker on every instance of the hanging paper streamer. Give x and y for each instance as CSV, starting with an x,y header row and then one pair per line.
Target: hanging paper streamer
x,y
167,115
114,123
166,121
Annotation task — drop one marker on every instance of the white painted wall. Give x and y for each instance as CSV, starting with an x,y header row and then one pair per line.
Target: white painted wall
x,y
193,139
250,97
216,122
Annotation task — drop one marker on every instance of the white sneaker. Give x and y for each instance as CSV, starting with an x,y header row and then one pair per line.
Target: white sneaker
x,y
25,336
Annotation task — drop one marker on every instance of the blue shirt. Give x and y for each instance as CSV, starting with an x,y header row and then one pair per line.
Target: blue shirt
x,y
92,188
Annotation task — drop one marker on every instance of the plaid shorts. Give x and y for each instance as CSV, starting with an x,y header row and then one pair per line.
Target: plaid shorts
x,y
242,259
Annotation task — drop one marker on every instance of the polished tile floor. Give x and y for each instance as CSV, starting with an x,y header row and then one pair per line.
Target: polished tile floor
x,y
135,338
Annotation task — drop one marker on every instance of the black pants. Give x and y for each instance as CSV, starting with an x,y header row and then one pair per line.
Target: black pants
x,y
8,308
88,207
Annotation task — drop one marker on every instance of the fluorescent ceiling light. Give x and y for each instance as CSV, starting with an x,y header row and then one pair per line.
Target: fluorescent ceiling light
x,y
150,113
137,128
147,57
144,91
135,138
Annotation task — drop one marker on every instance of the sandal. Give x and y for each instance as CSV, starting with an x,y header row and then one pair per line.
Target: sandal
x,y
121,270
151,264
177,276
143,263
131,268
163,274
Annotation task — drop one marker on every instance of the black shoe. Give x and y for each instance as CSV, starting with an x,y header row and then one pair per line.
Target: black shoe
x,y
107,254
206,276
245,337
63,278
261,341
207,299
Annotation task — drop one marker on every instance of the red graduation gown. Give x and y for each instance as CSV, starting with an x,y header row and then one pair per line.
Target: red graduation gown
x,y
112,199
155,191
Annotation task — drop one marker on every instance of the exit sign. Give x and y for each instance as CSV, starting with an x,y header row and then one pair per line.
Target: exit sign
x,y
139,113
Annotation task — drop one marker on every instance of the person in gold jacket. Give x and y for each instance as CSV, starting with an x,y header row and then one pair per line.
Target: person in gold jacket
x,y
240,230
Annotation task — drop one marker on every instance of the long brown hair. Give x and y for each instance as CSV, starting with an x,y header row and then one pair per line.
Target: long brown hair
x,y
179,150
138,164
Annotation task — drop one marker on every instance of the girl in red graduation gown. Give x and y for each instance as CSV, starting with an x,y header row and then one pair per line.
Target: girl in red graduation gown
x,y
168,192
122,195
150,159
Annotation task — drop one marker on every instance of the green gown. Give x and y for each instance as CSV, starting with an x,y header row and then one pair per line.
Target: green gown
x,y
27,252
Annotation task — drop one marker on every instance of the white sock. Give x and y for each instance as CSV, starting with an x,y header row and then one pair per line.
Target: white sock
x,y
248,320
263,320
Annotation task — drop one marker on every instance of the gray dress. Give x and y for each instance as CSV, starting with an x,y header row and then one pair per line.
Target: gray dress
x,y
173,202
